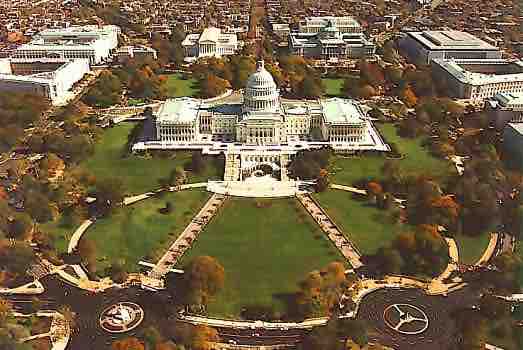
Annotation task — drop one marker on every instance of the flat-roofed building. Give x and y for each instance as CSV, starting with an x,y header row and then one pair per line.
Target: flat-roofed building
x,y
49,78
212,42
478,79
91,42
513,144
329,42
428,45
504,108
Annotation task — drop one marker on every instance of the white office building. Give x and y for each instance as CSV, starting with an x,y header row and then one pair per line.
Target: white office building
x,y
505,108
49,78
479,79
91,42
445,44
212,42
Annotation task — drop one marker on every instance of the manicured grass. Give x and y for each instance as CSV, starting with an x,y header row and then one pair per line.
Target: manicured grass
x,y
138,173
471,248
132,233
369,228
265,251
135,101
177,87
417,160
333,87
61,231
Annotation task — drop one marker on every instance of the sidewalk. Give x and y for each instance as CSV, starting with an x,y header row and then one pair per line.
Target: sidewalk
x,y
346,248
489,252
187,237
73,243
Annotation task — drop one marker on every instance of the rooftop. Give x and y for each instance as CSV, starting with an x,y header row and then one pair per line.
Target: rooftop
x,y
183,110
450,40
341,111
462,70
509,99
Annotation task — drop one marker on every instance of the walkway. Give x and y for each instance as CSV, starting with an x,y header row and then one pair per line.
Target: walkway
x,y
188,236
489,252
59,332
220,323
73,243
346,248
454,260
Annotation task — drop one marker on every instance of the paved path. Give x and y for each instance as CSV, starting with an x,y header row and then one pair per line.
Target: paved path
x,y
454,260
349,189
59,332
188,236
346,248
216,322
73,243
489,252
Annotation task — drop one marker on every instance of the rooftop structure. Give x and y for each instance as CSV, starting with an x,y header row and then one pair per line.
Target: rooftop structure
x,y
504,108
428,45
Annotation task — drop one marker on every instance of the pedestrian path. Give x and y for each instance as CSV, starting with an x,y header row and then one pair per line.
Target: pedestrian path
x,y
59,331
221,323
346,248
454,260
73,243
188,237
489,252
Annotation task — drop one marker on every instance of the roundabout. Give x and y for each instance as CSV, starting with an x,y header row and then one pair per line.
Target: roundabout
x,y
410,319
406,318
121,318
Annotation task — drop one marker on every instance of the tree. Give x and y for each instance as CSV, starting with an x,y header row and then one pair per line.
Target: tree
x,y
310,87
105,92
87,251
18,258
204,277
68,314
212,86
130,343
197,164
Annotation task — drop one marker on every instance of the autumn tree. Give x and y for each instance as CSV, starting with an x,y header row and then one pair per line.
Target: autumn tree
x,y
130,343
204,277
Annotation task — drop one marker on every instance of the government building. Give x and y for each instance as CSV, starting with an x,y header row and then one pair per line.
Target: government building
x,y
261,118
328,38
50,78
256,131
210,43
93,43
479,79
446,44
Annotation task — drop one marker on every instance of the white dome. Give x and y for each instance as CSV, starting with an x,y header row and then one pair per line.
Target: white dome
x,y
261,92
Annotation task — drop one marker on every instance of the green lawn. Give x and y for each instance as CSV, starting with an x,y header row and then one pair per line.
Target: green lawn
x,y
368,227
333,87
471,248
178,87
417,160
138,173
135,232
265,251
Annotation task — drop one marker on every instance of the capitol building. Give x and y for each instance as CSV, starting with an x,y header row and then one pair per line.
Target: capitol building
x,y
262,118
